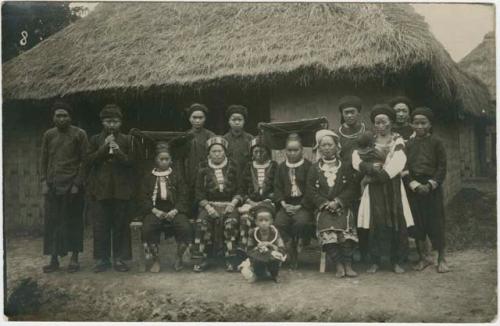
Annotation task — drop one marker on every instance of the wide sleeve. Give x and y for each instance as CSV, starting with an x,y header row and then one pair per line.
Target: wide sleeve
x,y
145,203
200,187
280,244
96,153
440,153
279,194
44,157
181,204
396,162
251,240
312,191
246,179
351,188
83,146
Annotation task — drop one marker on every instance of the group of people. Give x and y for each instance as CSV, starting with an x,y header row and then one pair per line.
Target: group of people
x,y
226,198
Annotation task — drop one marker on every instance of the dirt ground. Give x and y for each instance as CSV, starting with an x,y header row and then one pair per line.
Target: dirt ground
x,y
467,294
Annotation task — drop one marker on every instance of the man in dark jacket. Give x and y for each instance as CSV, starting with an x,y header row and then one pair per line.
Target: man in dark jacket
x,y
112,181
63,150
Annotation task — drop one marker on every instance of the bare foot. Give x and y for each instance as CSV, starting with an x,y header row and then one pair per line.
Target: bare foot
x,y
373,269
443,267
398,269
155,268
340,270
422,264
349,272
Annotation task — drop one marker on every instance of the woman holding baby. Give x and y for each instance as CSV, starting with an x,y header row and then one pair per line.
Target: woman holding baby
x,y
384,209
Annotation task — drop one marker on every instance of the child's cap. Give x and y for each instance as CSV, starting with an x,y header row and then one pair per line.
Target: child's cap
x,y
217,140
264,206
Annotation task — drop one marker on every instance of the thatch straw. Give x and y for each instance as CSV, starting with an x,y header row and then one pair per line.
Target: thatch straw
x,y
481,62
132,46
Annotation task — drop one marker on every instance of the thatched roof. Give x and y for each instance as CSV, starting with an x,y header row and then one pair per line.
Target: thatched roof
x,y
132,46
481,62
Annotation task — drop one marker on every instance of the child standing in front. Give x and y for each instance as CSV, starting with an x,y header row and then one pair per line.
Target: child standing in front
x,y
266,249
427,171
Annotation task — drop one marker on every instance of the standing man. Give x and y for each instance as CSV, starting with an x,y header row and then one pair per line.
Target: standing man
x,y
197,152
112,158
350,131
238,139
63,150
351,127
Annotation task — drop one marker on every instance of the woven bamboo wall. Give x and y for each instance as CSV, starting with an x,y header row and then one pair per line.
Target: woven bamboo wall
x,y
23,202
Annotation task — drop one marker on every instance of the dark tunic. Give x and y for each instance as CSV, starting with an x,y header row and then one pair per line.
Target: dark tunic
x,y
249,188
112,182
388,233
62,157
113,176
349,140
219,234
239,148
283,186
207,188
404,131
427,161
176,194
61,167
176,199
197,153
344,190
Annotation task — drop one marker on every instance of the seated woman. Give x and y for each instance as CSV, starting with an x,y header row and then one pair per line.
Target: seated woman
x,y
217,197
294,219
384,208
266,249
331,187
256,184
164,205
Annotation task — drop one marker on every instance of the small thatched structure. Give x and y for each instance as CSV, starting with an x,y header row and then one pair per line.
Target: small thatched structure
x,y
479,139
481,62
285,61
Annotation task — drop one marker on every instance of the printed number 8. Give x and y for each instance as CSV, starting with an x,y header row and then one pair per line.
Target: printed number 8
x,y
24,39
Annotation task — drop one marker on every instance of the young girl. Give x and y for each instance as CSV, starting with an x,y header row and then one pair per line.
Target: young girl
x,y
217,197
256,184
294,219
427,171
331,187
266,249
164,205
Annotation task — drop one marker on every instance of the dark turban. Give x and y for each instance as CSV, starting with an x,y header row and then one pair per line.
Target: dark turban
x,y
382,109
425,111
196,107
111,111
350,102
236,109
401,99
61,105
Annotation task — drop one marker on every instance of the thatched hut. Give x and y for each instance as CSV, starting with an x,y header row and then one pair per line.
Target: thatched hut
x,y
479,139
285,61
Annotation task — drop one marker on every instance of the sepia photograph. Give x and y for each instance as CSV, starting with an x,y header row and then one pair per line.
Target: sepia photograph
x,y
317,162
